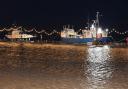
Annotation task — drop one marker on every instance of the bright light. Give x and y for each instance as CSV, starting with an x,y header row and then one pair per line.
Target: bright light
x,y
99,30
92,26
106,30
106,47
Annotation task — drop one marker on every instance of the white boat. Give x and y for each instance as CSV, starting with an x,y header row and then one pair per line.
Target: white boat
x,y
17,34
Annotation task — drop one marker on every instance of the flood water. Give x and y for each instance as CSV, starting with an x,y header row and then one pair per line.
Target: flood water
x,y
63,67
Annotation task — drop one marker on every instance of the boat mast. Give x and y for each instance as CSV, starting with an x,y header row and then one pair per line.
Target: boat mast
x,y
97,23
88,23
97,19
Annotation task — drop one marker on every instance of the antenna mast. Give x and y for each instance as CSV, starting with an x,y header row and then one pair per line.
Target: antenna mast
x,y
88,22
97,23
97,19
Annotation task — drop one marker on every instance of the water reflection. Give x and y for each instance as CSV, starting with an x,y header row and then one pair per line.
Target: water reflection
x,y
61,67
99,69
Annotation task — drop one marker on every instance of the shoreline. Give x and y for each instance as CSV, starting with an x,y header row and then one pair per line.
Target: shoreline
x,y
40,45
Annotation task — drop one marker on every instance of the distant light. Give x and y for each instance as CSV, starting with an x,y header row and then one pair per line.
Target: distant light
x,y
99,30
106,30
106,47
92,26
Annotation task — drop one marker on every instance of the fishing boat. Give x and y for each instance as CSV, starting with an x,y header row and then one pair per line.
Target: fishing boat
x,y
88,35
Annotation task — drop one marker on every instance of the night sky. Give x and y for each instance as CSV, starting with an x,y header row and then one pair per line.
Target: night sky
x,y
40,13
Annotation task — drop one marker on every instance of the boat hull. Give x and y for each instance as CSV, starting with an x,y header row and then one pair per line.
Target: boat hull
x,y
85,40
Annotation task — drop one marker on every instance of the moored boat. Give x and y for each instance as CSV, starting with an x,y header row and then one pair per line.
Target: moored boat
x,y
16,34
91,34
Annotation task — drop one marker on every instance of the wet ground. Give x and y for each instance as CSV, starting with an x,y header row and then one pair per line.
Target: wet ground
x,y
63,67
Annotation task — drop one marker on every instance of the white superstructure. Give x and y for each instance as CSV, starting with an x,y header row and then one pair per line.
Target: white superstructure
x,y
18,34
85,33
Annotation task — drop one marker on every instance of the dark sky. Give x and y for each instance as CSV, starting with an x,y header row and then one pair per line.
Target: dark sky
x,y
58,12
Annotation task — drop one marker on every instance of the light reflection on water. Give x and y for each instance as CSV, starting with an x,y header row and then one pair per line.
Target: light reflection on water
x,y
61,67
98,68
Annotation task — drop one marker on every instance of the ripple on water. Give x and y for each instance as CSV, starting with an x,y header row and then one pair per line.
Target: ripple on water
x,y
63,67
